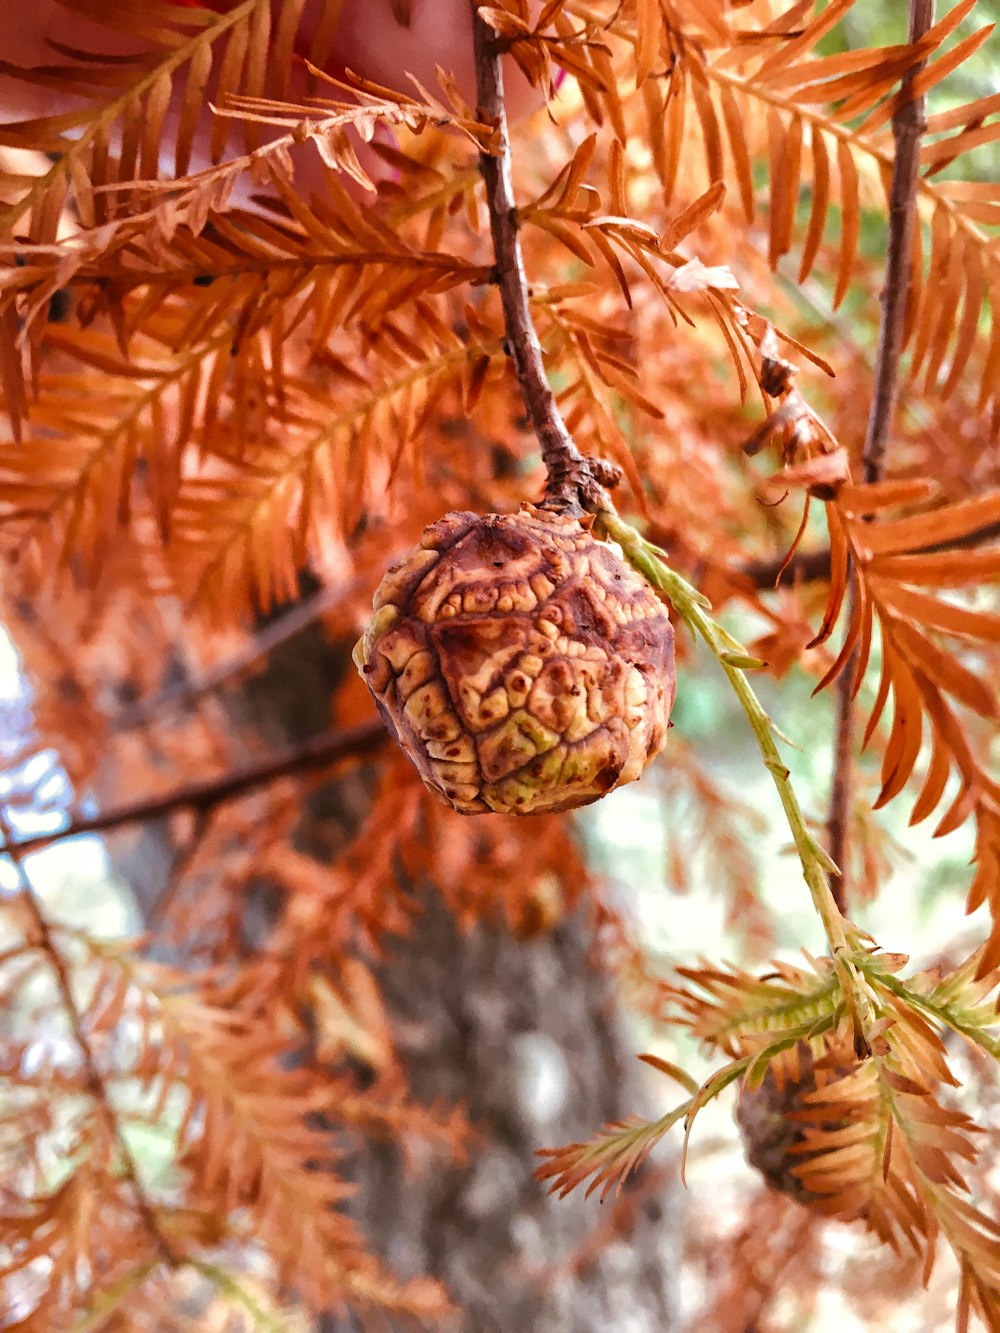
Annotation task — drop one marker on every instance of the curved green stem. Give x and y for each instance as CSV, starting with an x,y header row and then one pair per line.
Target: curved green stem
x,y
692,607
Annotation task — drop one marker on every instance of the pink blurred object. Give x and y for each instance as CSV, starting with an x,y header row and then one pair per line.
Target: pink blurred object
x,y
369,40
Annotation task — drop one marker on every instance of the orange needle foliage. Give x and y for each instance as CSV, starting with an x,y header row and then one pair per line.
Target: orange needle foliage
x,y
251,344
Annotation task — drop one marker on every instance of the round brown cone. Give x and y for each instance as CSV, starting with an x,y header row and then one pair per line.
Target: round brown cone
x,y
781,1123
523,666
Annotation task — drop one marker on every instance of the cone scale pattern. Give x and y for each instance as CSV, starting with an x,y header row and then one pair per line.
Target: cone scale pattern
x,y
523,666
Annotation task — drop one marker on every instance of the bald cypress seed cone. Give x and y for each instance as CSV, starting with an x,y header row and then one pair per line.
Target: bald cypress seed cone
x,y
771,1138
782,1123
523,666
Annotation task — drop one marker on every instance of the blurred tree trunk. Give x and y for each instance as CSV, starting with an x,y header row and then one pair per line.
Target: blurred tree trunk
x,y
526,1035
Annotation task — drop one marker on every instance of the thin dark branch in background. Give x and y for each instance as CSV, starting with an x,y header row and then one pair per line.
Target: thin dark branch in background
x,y
814,566
38,928
575,483
907,128
838,825
188,692
318,754
804,567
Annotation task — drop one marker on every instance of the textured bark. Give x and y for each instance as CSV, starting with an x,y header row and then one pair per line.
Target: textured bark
x,y
527,1035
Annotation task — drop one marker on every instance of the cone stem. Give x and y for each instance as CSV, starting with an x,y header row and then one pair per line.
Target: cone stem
x,y
574,483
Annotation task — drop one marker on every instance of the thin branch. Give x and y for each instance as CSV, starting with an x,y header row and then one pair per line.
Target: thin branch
x,y
838,824
95,1084
575,483
814,566
804,567
907,129
319,753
